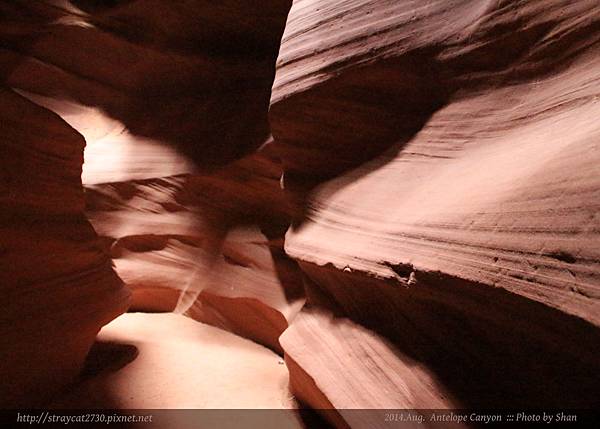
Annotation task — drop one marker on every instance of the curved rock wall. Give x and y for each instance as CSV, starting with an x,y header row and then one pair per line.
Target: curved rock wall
x,y
462,218
207,245
195,75
437,162
58,285
159,91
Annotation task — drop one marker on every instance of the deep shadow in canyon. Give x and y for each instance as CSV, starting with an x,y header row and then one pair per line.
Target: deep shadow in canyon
x,y
388,205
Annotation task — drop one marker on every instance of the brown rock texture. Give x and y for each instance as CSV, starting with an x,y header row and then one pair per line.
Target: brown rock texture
x,y
195,75
58,285
327,373
209,246
158,91
496,184
401,199
462,218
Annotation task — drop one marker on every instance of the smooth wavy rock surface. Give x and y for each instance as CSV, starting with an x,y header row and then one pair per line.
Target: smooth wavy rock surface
x,y
443,161
497,183
450,327
431,190
252,289
194,75
157,90
352,368
58,285
207,245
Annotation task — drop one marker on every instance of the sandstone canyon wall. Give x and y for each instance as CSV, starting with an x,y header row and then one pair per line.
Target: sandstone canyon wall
x,y
443,160
400,197
159,92
58,285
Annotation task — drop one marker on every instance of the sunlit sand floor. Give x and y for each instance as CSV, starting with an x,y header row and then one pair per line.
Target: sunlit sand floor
x,y
158,361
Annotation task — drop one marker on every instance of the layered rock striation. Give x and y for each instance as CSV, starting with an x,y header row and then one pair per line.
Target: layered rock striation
x,y
158,92
442,158
209,246
58,285
404,205
195,75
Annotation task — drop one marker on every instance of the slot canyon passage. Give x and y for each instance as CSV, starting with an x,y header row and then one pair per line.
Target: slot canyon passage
x,y
315,206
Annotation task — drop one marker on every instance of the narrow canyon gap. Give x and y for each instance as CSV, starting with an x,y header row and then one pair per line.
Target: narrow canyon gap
x,y
385,194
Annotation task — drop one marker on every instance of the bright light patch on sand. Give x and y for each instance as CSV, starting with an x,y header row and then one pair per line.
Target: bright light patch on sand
x,y
181,363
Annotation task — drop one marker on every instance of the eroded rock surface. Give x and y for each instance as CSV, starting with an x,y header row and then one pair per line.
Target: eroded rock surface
x,y
462,141
195,75
158,91
497,181
209,246
58,285
352,368
439,170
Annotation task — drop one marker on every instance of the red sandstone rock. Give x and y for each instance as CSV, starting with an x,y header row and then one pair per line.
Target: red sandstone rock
x,y
184,85
441,158
195,75
58,285
352,368
209,246
251,289
496,179
172,234
462,139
